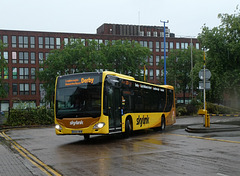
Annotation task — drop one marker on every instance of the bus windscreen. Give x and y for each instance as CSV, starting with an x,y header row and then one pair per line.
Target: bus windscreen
x,y
79,96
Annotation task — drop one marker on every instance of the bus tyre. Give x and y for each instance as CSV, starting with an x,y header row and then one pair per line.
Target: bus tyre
x,y
163,125
128,129
86,137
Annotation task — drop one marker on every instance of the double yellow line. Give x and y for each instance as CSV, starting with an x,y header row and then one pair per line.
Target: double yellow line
x,y
26,154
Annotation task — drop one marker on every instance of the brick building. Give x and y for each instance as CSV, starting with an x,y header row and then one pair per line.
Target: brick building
x,y
26,50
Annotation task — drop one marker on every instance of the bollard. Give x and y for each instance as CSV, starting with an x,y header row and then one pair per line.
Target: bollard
x,y
207,117
207,120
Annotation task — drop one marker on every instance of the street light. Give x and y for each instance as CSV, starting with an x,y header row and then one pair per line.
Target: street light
x,y
165,80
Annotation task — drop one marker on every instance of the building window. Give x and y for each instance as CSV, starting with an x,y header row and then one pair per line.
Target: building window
x,y
23,57
51,43
161,34
40,42
151,61
151,46
5,55
177,45
197,46
33,89
32,42
5,73
158,76
24,89
25,41
4,105
182,45
33,58
40,58
14,41
23,73
145,44
58,43
84,42
65,41
47,42
14,89
162,46
141,33
148,33
157,60
14,57
20,41
157,47
186,45
151,75
33,73
14,73
154,34
5,40
171,45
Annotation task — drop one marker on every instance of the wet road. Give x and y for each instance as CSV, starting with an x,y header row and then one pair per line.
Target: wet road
x,y
173,152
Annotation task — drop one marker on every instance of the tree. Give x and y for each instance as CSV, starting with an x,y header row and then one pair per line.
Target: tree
x,y
121,56
3,66
126,57
179,72
223,56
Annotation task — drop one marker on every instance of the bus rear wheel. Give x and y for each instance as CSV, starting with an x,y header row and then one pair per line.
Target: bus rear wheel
x,y
163,125
128,129
86,137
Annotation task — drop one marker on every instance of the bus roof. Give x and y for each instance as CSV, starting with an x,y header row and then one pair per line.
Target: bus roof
x,y
133,79
119,75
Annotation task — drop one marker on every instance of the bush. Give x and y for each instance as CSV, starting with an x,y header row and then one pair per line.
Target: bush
x,y
219,109
181,110
191,109
188,109
30,116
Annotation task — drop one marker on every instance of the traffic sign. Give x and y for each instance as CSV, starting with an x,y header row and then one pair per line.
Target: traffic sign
x,y
201,85
207,74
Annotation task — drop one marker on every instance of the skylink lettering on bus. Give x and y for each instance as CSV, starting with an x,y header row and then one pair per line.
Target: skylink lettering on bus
x,y
142,120
108,103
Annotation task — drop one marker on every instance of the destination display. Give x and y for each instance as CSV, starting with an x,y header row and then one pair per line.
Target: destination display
x,y
79,80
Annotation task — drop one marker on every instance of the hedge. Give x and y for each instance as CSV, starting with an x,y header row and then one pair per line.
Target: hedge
x,y
30,116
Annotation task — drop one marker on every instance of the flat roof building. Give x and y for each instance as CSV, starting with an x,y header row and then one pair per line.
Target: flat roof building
x,y
26,50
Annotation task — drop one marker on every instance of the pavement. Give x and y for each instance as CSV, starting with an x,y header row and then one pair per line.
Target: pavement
x,y
199,128
14,164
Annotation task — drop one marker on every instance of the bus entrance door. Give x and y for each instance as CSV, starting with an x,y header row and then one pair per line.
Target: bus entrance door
x,y
114,102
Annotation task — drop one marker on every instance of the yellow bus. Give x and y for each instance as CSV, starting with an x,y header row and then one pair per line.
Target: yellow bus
x,y
108,102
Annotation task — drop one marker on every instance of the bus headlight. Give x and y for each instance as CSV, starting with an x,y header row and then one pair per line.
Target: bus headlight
x,y
58,127
99,125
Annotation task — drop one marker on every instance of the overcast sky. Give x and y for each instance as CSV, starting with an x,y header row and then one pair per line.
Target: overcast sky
x,y
186,17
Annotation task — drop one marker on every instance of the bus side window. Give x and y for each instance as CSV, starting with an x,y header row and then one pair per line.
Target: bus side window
x,y
162,100
169,100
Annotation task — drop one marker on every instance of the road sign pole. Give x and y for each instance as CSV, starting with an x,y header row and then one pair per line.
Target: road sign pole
x,y
204,81
207,118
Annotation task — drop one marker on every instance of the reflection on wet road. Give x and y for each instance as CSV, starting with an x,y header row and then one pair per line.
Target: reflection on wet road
x,y
173,152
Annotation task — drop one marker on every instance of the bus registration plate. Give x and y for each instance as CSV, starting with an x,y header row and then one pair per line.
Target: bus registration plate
x,y
76,131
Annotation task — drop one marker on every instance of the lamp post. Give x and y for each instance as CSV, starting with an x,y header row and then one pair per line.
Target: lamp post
x,y
165,80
